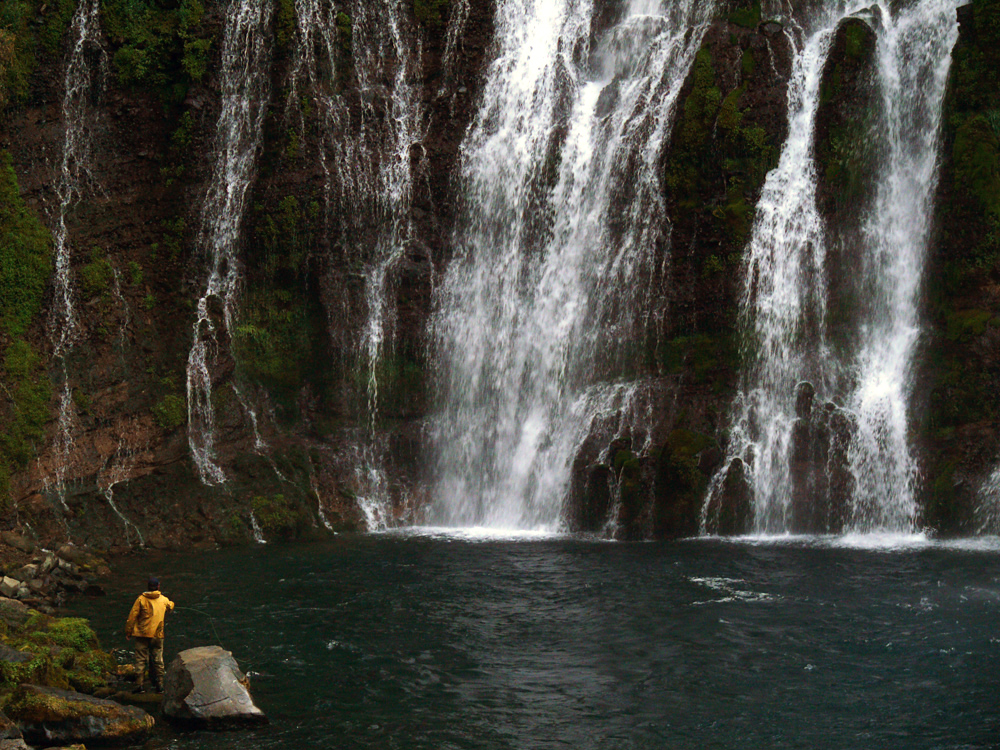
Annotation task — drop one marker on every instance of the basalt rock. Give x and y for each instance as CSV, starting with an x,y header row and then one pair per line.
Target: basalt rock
x,y
204,687
730,508
49,716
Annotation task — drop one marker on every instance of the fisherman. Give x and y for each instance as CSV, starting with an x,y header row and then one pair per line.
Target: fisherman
x,y
145,623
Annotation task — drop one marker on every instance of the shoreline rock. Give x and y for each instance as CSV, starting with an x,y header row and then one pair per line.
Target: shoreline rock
x,y
205,688
50,716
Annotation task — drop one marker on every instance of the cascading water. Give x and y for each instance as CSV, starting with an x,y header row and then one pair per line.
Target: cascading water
x,y
784,310
245,80
370,179
988,505
77,105
556,249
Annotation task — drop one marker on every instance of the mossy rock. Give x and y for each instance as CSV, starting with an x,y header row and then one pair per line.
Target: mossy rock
x,y
50,715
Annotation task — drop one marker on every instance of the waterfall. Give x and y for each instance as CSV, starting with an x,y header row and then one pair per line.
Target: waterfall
x,y
371,161
865,387
74,173
914,56
559,244
245,89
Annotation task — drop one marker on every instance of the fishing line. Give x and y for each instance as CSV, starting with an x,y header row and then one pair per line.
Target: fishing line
x,y
211,620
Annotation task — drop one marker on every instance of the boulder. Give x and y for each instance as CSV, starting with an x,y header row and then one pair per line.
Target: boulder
x,y
204,687
14,745
17,541
25,572
13,612
50,716
10,655
8,729
9,586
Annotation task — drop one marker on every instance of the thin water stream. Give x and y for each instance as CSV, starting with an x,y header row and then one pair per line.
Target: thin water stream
x,y
468,641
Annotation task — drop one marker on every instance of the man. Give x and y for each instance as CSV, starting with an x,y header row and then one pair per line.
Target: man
x,y
145,622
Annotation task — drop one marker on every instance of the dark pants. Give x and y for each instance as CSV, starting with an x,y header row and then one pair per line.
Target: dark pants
x,y
149,652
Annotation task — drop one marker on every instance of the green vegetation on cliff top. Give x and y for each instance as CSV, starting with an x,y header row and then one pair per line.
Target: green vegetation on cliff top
x,y
31,31
161,48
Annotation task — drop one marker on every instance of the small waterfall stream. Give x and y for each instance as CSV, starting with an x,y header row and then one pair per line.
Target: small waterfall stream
x,y
82,70
865,387
245,91
370,166
538,312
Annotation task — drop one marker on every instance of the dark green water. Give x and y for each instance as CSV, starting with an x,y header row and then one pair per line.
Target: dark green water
x,y
393,641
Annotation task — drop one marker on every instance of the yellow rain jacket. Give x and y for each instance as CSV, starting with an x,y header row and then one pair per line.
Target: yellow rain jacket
x,y
146,618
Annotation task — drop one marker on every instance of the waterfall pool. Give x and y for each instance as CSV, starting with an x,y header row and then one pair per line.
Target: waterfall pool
x,y
428,639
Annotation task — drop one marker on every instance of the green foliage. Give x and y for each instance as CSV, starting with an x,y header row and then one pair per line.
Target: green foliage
x,y
25,256
30,31
275,514
173,237
345,31
135,275
96,276
161,48
28,393
170,412
430,12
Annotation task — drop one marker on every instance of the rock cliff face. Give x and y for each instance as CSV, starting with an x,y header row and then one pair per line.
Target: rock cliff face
x,y
320,388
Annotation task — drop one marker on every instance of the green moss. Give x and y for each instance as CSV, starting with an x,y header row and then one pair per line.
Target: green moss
x,y
70,632
135,275
748,18
345,32
25,256
275,514
65,653
430,12
29,393
96,276
701,355
170,412
976,157
856,38
285,22
626,462
967,325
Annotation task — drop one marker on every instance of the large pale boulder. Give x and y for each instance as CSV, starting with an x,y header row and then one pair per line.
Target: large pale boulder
x,y
204,687
49,716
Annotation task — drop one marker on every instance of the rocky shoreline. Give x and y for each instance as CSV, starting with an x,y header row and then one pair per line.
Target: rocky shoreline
x,y
60,688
